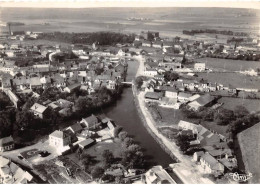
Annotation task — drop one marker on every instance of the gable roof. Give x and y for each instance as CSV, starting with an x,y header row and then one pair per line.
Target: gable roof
x,y
86,142
91,119
59,134
76,127
205,99
6,141
38,108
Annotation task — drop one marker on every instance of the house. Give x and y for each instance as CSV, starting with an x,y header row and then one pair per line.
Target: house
x,y
59,139
86,143
167,44
6,144
171,92
210,165
184,97
199,67
153,96
76,128
158,175
115,172
150,72
194,97
147,43
120,68
203,101
10,173
72,87
15,100
39,110
197,156
91,122
136,51
184,125
157,44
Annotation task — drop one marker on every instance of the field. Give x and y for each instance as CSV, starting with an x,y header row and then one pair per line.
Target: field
x,y
250,148
96,151
229,65
231,103
169,116
37,42
235,79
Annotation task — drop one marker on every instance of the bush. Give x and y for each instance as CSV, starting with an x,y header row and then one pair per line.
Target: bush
x,y
122,135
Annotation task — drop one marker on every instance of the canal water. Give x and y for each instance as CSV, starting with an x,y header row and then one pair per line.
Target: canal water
x,y
125,114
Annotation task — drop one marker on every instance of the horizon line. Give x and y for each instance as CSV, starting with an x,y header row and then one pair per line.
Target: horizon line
x,y
81,4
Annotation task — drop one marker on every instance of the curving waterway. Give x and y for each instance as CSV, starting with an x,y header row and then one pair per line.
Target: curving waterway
x,y
125,114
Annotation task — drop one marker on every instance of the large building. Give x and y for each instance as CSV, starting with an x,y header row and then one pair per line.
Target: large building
x,y
59,139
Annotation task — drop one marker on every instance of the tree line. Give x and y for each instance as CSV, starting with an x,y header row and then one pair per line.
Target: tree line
x,y
101,38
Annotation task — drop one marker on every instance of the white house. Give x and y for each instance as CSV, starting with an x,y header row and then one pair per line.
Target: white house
x,y
158,175
59,139
150,72
210,165
171,92
199,66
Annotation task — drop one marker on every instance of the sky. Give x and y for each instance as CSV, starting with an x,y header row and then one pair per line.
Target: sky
x,y
255,4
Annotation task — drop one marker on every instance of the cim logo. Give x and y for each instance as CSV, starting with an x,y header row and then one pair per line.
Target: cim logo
x,y
241,177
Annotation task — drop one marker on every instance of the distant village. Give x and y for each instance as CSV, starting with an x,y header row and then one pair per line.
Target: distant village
x,y
168,80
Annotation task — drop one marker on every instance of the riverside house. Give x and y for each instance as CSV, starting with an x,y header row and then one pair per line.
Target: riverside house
x,y
6,144
90,122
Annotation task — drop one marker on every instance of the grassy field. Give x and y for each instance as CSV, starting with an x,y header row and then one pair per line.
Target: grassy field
x,y
229,65
96,151
235,79
231,103
250,148
170,117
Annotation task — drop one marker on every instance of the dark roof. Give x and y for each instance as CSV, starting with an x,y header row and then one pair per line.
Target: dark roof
x,y
91,119
205,99
153,95
86,142
76,127
6,141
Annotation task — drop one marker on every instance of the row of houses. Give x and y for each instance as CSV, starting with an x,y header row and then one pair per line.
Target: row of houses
x,y
10,173
216,157
82,134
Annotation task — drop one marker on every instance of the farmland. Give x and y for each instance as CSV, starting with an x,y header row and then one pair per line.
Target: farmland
x,y
229,65
235,79
250,104
250,148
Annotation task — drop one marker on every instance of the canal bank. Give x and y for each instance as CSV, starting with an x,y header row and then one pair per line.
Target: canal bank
x,y
125,114
187,170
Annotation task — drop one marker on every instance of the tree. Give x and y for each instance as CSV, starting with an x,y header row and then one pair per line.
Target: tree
x,y
122,135
171,76
108,157
132,157
224,117
128,141
139,82
97,172
240,111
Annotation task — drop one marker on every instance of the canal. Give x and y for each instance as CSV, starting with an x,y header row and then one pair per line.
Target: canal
x,y
125,114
